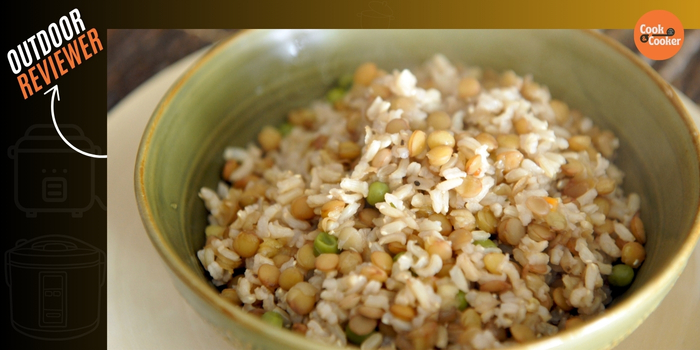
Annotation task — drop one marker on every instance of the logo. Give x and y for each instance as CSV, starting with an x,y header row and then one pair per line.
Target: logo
x,y
658,35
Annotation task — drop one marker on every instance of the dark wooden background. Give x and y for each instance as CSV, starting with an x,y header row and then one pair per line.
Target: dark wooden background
x,y
135,55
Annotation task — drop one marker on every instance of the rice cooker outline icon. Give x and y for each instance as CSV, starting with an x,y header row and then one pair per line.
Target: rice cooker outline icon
x,y
50,177
55,287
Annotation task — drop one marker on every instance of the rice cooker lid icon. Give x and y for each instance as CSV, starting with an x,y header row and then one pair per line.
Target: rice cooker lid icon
x,y
54,251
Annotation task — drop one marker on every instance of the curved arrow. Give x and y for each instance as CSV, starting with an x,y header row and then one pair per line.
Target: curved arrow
x,y
55,96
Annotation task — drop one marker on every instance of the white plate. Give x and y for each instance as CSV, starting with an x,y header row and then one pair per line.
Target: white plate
x,y
144,311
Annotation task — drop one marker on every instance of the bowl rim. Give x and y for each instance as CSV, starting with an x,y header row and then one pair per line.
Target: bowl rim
x,y
251,323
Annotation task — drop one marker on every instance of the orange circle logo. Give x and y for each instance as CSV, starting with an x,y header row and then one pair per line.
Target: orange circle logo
x,y
658,35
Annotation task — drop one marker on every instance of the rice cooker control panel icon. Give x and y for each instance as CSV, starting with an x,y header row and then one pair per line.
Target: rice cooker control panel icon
x,y
55,287
53,299
49,176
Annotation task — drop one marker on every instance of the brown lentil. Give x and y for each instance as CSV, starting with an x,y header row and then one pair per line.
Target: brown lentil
x,y
380,90
561,111
510,159
302,117
572,168
349,301
382,260
361,325
365,73
529,89
485,220
439,120
366,216
269,275
508,141
607,227
348,261
579,143
460,238
522,333
290,277
327,262
372,272
280,259
269,138
370,312
603,205
228,169
473,166
556,220
560,299
470,318
633,254
470,187
246,244
492,262
403,312
538,206
348,150
445,270
502,190
445,225
605,186
522,126
396,247
439,155
539,232
300,209
511,231
382,158
494,286
215,231
488,140
637,229
352,122
572,322
231,295
416,143
604,143
319,142
305,257
468,87
575,189
331,206
441,249
440,138
302,298
403,103
396,125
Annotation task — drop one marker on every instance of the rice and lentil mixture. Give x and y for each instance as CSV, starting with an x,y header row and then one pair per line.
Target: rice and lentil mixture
x,y
446,207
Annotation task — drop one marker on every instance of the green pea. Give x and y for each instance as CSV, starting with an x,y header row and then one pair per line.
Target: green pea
x,y
354,338
345,81
273,318
621,275
325,243
486,243
376,193
335,94
398,255
285,129
462,303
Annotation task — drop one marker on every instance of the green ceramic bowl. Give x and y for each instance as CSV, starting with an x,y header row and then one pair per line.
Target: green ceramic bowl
x,y
253,78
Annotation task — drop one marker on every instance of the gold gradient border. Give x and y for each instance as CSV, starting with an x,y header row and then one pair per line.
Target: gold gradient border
x,y
608,14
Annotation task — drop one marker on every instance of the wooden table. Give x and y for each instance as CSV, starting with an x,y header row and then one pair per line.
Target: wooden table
x,y
135,55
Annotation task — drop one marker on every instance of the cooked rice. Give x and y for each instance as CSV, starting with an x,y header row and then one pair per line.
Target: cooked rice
x,y
524,279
